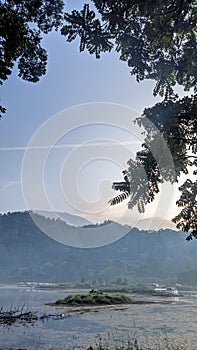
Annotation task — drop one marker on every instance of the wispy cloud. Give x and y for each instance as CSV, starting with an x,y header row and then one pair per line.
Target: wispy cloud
x,y
72,145
5,185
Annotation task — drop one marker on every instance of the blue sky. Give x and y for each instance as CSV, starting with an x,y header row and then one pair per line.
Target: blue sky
x,y
72,79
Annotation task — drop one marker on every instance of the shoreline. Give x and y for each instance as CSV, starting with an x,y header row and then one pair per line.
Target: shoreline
x,y
96,308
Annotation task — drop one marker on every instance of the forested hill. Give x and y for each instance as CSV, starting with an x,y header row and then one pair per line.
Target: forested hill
x,y
27,254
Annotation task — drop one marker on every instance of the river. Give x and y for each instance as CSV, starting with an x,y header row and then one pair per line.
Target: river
x,y
177,319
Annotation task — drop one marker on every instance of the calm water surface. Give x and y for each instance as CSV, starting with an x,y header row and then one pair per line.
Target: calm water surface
x,y
178,319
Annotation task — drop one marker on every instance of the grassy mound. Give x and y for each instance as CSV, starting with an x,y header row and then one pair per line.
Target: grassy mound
x,y
94,298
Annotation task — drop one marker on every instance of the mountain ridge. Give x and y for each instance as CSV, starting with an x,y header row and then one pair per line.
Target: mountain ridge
x,y
27,254
70,219
150,223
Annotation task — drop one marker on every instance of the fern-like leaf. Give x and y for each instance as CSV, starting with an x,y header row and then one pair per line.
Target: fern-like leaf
x,y
120,198
141,206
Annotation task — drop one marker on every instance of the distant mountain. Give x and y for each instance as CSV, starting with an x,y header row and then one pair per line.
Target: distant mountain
x,y
27,254
155,224
147,224
70,219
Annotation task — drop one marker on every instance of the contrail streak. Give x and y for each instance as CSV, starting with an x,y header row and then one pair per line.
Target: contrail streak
x,y
70,145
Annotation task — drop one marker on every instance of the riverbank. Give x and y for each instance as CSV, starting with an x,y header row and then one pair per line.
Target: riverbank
x,y
97,308
95,301
146,316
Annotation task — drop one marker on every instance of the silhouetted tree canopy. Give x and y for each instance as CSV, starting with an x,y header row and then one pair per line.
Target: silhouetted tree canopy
x,y
158,42
22,26
157,39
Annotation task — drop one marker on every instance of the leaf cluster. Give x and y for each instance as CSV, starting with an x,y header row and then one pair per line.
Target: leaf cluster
x,y
156,39
169,149
93,35
186,219
22,26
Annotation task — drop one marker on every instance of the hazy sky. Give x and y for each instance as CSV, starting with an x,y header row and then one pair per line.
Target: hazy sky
x,y
72,79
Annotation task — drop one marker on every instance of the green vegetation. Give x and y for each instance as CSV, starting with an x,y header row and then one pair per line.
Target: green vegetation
x,y
188,277
140,257
94,297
